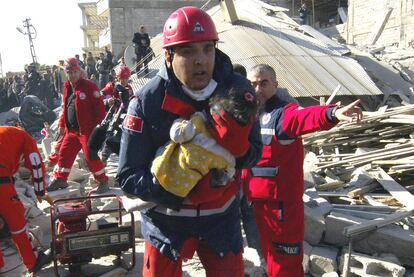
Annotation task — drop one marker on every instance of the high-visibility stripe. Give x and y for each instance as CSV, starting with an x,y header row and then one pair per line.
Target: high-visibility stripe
x,y
18,232
267,131
195,212
61,169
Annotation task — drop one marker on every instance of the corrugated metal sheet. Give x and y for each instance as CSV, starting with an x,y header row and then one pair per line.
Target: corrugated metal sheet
x,y
304,65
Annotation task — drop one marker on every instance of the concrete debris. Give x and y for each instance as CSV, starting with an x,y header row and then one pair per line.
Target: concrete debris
x,y
323,260
307,250
367,179
364,265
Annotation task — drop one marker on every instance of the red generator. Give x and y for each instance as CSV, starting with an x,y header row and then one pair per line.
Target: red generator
x,y
74,243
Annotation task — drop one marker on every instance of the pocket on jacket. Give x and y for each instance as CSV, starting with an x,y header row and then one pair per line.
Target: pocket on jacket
x,y
260,188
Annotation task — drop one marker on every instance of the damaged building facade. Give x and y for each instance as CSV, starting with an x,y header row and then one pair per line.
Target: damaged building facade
x,y
382,22
114,22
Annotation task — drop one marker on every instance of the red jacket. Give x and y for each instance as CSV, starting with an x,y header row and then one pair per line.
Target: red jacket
x,y
14,143
279,173
90,110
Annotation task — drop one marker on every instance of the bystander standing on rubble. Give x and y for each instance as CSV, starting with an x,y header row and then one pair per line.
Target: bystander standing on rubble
x,y
304,15
81,64
60,77
15,143
208,219
103,67
143,51
4,99
90,65
83,109
14,92
31,86
275,185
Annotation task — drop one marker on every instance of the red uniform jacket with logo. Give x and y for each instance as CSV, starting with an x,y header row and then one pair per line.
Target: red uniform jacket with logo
x,y
89,106
279,173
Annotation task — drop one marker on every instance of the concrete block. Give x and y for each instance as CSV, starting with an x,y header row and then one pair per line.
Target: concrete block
x,y
307,249
314,225
78,175
389,239
322,203
126,220
363,265
323,260
334,226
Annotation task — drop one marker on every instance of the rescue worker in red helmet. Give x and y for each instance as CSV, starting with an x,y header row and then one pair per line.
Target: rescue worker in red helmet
x,y
15,143
83,109
275,185
120,90
207,220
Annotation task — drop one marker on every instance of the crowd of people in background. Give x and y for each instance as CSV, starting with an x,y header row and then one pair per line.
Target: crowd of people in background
x,y
47,83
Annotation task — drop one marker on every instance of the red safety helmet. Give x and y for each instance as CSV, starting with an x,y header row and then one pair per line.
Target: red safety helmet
x,y
123,72
188,24
71,64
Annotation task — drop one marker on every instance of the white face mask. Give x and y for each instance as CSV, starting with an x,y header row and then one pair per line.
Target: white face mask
x,y
202,94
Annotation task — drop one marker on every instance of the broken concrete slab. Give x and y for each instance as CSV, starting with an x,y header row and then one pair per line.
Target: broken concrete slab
x,y
323,205
323,260
388,239
78,175
364,265
314,225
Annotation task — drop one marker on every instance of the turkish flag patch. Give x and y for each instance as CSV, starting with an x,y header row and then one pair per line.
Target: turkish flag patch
x,y
133,123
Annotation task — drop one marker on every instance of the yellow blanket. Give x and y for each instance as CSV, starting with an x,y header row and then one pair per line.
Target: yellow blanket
x,y
180,166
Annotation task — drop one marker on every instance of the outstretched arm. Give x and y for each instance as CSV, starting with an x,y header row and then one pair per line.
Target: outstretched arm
x,y
346,113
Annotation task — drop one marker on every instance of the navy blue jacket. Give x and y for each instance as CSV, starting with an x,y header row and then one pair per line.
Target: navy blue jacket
x,y
145,129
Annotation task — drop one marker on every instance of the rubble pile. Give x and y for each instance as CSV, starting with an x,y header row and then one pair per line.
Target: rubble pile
x,y
358,184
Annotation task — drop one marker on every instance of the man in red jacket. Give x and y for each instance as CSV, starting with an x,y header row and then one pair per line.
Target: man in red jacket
x,y
83,109
15,143
275,185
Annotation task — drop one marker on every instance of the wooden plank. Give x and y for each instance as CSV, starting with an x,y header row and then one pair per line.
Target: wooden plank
x,y
359,191
330,186
396,190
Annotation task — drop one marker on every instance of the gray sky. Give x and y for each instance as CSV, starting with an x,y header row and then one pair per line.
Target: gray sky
x,y
57,23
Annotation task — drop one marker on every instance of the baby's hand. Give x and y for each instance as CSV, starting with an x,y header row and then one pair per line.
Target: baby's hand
x,y
182,131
